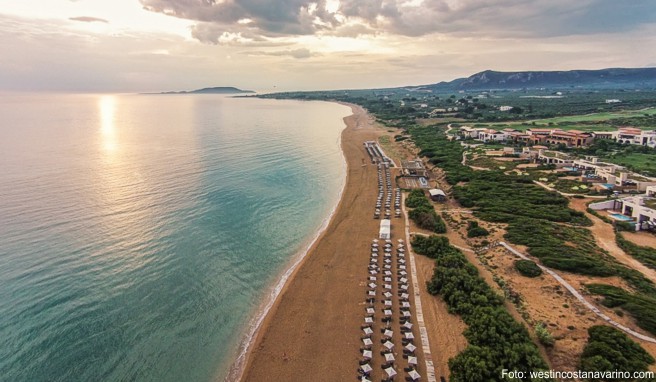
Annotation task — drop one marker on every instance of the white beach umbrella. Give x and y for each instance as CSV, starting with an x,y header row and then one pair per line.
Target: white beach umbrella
x,y
388,286
414,375
387,294
400,240
388,273
388,261
368,320
405,304
404,287
372,272
407,325
401,250
372,278
403,280
388,241
390,371
412,360
371,310
388,302
389,345
366,368
389,357
387,266
387,279
367,354
388,333
410,347
403,273
407,314
367,341
401,261
374,245
368,331
404,295
371,293
372,285
409,336
402,267
375,240
387,312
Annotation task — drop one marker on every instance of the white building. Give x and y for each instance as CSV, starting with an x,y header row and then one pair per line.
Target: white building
x,y
505,108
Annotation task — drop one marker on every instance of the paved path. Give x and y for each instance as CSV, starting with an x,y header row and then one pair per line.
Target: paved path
x,y
579,297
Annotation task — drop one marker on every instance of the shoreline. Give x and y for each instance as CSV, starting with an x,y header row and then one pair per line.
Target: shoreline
x,y
295,324
258,322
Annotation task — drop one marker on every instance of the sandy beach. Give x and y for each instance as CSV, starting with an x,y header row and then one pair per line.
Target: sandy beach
x,y
313,330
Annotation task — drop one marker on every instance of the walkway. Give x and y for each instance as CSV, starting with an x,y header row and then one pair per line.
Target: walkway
x,y
579,297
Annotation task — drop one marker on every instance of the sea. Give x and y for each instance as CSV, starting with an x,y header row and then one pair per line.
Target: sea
x,y
143,236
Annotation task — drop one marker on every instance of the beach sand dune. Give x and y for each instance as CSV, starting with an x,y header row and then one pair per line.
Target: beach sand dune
x,y
313,331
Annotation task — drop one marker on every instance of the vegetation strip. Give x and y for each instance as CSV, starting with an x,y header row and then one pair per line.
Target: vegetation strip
x,y
495,338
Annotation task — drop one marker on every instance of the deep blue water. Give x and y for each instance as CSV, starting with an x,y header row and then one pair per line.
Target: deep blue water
x,y
139,234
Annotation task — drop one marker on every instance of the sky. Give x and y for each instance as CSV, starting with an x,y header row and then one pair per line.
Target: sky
x,y
267,45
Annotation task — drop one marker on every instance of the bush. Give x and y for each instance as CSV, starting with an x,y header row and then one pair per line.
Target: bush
x,y
528,268
474,230
423,213
608,349
543,334
645,255
641,307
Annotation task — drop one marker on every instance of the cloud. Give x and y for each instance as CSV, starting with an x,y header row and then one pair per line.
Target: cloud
x,y
490,18
295,53
88,19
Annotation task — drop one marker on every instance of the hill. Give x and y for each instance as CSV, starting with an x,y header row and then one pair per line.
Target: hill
x,y
213,90
638,78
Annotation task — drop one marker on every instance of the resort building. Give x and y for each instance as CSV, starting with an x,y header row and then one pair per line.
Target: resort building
x,y
491,135
554,157
570,138
612,176
634,136
638,209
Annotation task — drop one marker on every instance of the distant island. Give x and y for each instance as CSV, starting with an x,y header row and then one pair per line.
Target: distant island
x,y
213,90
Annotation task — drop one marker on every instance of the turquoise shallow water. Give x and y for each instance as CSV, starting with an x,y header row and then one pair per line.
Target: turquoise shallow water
x,y
139,234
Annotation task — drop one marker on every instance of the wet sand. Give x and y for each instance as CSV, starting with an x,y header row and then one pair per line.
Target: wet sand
x,y
313,331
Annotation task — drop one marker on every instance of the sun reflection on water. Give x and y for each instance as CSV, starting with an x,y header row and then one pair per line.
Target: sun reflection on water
x,y
107,106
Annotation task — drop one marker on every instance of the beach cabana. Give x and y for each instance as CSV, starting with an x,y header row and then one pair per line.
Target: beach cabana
x,y
390,372
414,375
385,229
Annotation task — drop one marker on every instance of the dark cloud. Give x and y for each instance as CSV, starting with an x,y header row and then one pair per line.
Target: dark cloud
x,y
88,19
492,18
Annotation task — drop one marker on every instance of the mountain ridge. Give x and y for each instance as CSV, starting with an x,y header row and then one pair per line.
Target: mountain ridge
x,y
600,78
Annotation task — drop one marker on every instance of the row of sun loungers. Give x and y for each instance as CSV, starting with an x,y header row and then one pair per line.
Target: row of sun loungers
x,y
387,276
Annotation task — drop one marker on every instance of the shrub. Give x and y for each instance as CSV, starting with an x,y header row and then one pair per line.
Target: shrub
x,y
474,230
543,334
608,349
528,268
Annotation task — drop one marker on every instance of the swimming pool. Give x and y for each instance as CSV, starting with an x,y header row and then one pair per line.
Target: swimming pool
x,y
607,186
621,217
571,168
